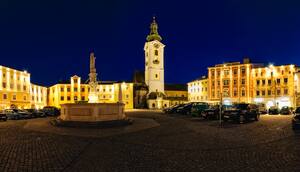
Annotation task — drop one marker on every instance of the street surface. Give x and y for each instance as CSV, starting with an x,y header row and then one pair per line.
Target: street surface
x,y
176,143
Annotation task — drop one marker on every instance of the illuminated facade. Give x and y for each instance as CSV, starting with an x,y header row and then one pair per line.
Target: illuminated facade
x,y
77,91
275,85
230,82
17,91
198,90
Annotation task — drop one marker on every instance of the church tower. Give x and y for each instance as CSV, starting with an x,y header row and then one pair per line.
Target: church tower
x,y
154,60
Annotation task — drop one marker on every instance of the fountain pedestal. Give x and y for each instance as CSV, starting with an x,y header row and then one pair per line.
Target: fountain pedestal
x,y
92,112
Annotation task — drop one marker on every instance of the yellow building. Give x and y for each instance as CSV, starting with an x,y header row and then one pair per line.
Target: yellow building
x,y
75,91
230,82
198,90
275,85
17,91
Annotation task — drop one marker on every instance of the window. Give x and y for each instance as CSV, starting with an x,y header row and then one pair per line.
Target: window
x,y
82,98
104,90
156,52
4,84
24,88
286,91
11,86
263,82
75,98
243,93
269,92
257,93
24,98
235,71
82,89
218,83
243,71
127,96
62,89
226,82
18,87
257,82
68,98
75,89
156,75
285,80
213,83
14,97
235,93
62,98
278,92
68,89
4,96
243,81
269,82
263,93
234,82
226,72
75,80
278,81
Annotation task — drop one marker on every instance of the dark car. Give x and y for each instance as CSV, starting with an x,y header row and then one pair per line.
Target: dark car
x,y
3,116
273,110
242,112
198,108
12,114
24,114
36,113
51,111
285,110
213,112
296,119
172,109
185,109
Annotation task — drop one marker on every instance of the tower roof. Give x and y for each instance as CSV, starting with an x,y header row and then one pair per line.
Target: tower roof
x,y
153,32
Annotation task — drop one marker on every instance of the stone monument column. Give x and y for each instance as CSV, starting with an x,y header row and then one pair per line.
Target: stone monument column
x,y
93,96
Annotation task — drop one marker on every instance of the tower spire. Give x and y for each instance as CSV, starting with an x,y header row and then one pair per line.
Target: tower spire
x,y
153,31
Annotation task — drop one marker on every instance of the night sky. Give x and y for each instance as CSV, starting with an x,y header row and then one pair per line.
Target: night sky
x,y
52,40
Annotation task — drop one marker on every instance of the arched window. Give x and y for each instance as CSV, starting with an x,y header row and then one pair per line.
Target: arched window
x,y
153,105
156,52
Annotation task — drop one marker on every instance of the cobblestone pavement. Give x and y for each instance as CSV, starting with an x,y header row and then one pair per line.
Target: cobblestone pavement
x,y
178,144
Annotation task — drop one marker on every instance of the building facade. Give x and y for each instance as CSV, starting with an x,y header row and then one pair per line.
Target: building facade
x,y
75,91
16,90
198,90
230,82
275,85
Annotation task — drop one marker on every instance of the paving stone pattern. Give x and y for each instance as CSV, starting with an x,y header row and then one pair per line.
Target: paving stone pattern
x,y
178,144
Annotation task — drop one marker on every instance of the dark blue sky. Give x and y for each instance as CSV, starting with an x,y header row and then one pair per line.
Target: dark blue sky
x,y
52,40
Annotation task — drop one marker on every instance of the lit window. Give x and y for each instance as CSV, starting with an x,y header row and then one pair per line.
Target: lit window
x,y
4,96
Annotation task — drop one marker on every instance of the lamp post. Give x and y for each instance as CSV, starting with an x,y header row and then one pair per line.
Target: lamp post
x,y
220,112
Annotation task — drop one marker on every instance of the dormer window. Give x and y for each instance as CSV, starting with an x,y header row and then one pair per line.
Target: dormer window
x,y
156,52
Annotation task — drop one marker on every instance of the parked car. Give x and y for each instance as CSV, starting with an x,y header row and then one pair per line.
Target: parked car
x,y
262,108
213,112
51,111
3,116
296,119
12,114
198,108
273,110
185,109
285,110
242,112
24,114
36,113
172,109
